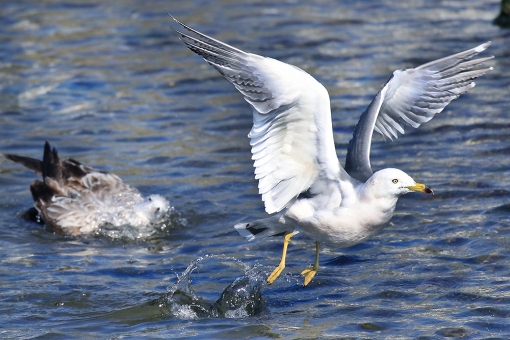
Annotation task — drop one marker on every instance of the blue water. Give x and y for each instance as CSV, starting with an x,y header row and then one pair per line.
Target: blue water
x,y
109,84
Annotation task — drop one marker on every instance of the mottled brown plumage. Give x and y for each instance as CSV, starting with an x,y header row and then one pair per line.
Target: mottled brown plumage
x,y
76,199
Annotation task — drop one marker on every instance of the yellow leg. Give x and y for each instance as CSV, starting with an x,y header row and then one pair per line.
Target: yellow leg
x,y
310,272
278,270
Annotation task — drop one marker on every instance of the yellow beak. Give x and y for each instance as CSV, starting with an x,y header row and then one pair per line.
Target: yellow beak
x,y
421,188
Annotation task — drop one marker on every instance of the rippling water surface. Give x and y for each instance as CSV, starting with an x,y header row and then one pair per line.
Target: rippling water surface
x,y
109,84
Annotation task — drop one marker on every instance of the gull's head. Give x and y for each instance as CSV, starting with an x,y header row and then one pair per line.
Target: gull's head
x,y
395,182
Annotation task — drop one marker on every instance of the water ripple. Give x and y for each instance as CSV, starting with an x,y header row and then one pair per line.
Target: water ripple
x,y
110,84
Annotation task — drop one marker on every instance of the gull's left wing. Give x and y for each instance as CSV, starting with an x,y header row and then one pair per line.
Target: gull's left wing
x,y
412,97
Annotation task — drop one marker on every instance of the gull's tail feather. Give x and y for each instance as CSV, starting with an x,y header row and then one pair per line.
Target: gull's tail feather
x,y
51,163
272,226
43,192
48,167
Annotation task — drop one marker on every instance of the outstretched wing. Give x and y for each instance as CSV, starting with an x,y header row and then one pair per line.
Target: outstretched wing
x,y
292,136
412,97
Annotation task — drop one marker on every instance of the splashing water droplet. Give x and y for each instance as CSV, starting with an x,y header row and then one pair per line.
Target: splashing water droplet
x,y
241,298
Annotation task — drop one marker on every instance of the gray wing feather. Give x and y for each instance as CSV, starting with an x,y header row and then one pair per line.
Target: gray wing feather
x,y
412,97
232,63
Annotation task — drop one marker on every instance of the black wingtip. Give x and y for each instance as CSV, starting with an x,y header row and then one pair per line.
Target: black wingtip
x,y
180,23
171,16
51,162
177,21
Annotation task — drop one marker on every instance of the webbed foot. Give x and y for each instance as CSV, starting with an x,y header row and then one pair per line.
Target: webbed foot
x,y
309,274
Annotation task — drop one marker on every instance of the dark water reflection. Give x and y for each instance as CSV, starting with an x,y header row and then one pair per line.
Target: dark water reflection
x,y
109,84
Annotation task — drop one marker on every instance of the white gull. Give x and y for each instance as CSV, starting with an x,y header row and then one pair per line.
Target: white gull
x,y
300,178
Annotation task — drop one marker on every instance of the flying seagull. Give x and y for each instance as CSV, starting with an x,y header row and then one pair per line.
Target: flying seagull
x,y
75,199
300,178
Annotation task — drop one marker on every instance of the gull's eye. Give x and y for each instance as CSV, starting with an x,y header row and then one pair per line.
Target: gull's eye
x,y
395,181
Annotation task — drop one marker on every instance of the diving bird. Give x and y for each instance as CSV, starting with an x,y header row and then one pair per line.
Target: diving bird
x,y
75,199
300,178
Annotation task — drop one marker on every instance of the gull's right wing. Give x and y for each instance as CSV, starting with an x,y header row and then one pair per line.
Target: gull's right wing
x,y
292,135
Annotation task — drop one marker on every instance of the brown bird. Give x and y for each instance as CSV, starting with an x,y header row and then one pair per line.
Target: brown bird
x,y
76,199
